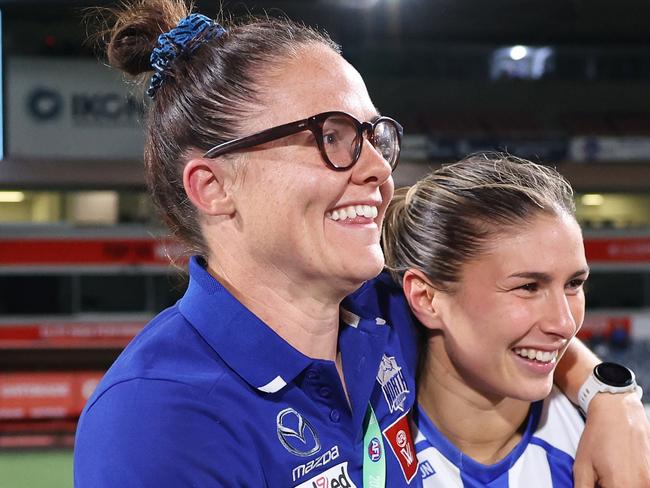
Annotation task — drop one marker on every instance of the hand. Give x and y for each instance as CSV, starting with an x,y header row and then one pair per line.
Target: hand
x,y
614,450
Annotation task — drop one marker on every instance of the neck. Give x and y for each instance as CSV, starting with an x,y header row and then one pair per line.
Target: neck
x,y
482,426
296,311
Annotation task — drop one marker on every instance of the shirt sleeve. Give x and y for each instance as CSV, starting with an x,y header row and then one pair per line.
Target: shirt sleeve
x,y
159,433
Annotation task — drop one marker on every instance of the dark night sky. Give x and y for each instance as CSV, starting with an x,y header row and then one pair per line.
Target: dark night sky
x,y
571,22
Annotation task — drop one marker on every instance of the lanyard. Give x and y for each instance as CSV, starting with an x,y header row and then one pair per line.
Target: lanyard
x,y
374,456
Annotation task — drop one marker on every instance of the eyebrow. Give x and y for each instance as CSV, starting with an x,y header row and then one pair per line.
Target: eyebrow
x,y
545,277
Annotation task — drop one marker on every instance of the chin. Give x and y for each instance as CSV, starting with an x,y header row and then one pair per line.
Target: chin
x,y
534,392
372,266
364,270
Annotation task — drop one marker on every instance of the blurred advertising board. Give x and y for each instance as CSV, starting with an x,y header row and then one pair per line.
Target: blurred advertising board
x,y
609,149
38,395
70,108
617,249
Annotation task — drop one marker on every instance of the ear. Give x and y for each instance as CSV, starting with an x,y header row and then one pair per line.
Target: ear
x,y
207,185
421,297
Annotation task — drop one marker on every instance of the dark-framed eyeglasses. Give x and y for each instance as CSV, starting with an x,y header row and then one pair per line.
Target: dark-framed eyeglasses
x,y
339,137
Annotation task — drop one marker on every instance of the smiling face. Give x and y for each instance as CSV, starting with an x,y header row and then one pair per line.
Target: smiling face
x,y
300,221
517,305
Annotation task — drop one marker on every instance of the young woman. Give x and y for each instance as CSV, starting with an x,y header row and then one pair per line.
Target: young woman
x,y
492,263
266,156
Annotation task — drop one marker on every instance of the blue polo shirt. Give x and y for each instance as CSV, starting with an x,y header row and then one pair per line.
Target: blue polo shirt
x,y
207,395
383,297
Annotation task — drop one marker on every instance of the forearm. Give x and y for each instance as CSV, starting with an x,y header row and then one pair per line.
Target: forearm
x,y
574,368
615,447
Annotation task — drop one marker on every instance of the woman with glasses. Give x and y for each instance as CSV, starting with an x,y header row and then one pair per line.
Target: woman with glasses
x,y
267,158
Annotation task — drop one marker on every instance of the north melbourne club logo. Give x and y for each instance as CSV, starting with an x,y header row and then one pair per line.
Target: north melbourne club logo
x,y
392,383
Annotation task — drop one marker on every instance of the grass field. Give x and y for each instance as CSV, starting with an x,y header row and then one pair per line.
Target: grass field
x,y
36,469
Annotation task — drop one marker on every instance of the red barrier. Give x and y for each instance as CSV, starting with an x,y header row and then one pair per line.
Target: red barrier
x,y
618,250
44,395
68,335
78,251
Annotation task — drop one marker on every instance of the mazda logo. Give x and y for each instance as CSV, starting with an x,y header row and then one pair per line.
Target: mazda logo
x,y
296,433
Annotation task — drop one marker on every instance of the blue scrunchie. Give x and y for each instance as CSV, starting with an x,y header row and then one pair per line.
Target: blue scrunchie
x,y
189,34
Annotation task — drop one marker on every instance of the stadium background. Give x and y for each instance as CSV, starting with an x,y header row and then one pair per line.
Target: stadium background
x,y
81,266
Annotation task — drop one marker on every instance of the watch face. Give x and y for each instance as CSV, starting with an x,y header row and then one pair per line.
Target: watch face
x,y
613,374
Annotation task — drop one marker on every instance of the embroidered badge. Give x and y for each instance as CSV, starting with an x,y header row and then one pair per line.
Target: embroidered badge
x,y
392,383
399,437
296,433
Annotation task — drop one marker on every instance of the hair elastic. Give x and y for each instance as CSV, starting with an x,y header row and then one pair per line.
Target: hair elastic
x,y
190,33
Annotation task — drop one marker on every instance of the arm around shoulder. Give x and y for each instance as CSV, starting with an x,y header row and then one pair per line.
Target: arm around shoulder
x,y
614,450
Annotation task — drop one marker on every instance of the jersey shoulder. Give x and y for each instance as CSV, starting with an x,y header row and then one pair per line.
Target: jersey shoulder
x,y
560,425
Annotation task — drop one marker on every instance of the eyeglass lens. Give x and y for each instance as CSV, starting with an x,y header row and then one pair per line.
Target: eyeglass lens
x,y
386,141
342,141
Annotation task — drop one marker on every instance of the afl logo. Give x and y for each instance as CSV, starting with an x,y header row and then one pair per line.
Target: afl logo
x,y
374,450
296,434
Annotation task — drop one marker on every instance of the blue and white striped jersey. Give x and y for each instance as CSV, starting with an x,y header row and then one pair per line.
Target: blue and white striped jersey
x,y
542,459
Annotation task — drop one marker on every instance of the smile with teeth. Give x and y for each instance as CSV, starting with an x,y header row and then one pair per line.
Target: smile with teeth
x,y
352,211
537,355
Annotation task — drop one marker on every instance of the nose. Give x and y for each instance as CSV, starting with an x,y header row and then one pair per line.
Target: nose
x,y
371,168
558,317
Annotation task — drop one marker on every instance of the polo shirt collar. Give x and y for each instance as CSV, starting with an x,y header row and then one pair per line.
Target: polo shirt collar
x,y
259,355
251,348
362,346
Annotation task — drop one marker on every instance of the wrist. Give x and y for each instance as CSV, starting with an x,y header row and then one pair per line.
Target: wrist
x,y
622,409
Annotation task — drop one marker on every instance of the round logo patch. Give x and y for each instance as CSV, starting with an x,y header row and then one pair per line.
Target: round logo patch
x,y
401,438
374,450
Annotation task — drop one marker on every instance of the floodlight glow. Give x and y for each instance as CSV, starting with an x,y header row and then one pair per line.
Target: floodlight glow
x,y
11,196
592,199
518,52
354,4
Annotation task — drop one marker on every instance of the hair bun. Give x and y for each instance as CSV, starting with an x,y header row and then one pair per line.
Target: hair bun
x,y
135,30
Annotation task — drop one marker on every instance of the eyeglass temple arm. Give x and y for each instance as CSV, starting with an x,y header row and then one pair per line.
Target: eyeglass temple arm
x,y
258,138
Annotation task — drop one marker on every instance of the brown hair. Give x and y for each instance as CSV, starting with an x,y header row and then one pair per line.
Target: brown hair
x,y
448,217
205,94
